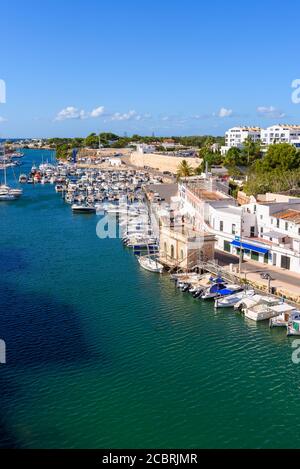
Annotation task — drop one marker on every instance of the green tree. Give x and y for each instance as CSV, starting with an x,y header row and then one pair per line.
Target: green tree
x,y
251,151
62,151
184,170
233,158
279,156
92,141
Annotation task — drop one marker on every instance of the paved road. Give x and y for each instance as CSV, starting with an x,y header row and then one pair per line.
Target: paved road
x,y
278,274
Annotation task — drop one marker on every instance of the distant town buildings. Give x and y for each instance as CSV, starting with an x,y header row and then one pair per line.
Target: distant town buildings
x,y
281,133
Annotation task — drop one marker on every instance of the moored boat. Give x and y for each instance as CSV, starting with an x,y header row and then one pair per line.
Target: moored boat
x,y
293,327
228,301
151,264
83,208
264,310
286,313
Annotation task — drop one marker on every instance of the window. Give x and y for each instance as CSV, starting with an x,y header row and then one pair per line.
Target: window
x,y
285,262
252,231
286,226
227,246
261,217
233,230
172,251
277,222
254,256
261,231
221,225
298,231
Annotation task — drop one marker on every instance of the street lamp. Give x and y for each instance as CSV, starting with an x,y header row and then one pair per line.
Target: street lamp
x,y
267,276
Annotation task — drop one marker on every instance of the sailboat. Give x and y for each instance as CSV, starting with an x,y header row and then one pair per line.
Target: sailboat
x,y
7,193
151,264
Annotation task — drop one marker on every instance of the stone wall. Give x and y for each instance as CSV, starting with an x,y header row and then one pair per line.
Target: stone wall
x,y
161,162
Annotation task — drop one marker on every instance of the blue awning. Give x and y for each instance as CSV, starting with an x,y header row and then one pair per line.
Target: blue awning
x,y
250,247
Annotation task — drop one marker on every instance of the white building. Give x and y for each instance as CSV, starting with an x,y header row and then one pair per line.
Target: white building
x,y
267,232
145,148
236,136
281,134
278,226
115,162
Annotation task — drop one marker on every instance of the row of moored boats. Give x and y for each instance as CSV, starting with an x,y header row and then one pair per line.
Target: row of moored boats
x,y
254,306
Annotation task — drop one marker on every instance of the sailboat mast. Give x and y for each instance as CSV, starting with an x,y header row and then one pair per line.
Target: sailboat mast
x,y
4,162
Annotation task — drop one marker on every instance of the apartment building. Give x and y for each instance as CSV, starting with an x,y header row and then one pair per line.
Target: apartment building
x,y
281,134
236,136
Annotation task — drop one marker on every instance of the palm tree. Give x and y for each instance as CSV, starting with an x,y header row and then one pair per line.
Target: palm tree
x,y
184,170
251,149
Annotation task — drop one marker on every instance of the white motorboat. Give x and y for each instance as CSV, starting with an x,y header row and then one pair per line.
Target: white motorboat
x,y
231,300
16,192
287,313
59,188
293,327
23,178
6,196
151,264
263,310
219,289
79,208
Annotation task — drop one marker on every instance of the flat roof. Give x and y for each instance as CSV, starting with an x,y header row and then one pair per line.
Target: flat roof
x,y
165,191
231,209
275,234
289,215
205,194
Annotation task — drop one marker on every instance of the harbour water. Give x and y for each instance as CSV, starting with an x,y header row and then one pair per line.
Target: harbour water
x,y
101,353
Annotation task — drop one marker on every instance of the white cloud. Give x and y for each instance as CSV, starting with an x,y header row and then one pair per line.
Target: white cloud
x,y
2,119
97,112
126,116
71,112
270,111
223,112
203,116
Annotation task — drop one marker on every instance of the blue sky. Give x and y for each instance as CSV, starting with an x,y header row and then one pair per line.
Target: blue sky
x,y
169,67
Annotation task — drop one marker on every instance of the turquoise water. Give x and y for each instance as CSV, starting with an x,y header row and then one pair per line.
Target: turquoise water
x,y
103,354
